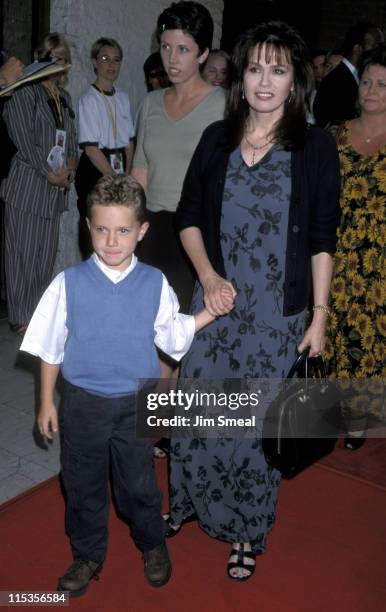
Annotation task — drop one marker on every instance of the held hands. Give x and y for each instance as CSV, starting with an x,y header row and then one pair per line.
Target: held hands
x,y
61,177
219,295
47,420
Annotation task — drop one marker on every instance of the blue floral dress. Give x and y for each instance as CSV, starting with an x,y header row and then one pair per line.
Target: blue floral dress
x,y
227,482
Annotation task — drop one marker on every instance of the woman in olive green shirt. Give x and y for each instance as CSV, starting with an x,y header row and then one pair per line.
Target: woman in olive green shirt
x,y
171,124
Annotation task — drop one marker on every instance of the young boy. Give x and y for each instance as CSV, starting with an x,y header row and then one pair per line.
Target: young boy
x,y
99,322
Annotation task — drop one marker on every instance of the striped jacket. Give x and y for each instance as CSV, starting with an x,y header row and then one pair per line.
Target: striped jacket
x,y
31,126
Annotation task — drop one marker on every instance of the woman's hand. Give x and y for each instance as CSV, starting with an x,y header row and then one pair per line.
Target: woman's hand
x,y
60,177
315,335
219,295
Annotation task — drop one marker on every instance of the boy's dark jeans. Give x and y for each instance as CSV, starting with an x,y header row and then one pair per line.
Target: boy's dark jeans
x,y
97,433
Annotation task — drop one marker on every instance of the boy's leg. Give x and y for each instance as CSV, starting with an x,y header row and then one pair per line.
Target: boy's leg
x,y
134,482
85,425
137,493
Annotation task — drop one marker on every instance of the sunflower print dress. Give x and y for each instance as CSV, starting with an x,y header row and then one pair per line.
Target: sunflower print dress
x,y
356,340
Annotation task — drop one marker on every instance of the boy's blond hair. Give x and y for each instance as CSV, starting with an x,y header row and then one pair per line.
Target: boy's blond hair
x,y
118,190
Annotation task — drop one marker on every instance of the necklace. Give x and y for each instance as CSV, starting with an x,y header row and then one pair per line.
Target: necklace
x,y
256,147
112,112
371,138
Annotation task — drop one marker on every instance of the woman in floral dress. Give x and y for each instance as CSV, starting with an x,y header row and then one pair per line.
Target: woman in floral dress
x,y
259,210
356,343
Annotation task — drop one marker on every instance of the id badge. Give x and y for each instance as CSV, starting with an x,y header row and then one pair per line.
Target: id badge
x,y
116,162
60,139
55,158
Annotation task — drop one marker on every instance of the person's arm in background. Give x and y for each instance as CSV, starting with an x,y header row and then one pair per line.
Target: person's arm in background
x,y
72,150
129,150
139,167
89,135
10,71
98,159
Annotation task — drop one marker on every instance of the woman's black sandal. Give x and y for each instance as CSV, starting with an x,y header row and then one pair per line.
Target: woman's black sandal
x,y
241,555
354,443
161,448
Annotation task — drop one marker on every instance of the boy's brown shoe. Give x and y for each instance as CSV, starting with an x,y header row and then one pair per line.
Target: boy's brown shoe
x,y
77,577
157,566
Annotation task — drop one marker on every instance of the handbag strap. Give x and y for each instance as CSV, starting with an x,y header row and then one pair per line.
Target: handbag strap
x,y
302,366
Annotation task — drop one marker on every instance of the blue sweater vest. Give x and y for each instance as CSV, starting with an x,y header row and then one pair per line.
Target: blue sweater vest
x,y
110,342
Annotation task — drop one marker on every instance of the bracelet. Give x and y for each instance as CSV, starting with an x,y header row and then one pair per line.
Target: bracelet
x,y
323,307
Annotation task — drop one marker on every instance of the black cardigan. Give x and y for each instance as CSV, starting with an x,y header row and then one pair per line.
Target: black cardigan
x,y
313,213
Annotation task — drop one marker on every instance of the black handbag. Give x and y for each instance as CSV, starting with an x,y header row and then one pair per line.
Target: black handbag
x,y
302,423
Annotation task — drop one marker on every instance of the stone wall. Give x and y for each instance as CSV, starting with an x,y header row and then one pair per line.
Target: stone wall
x,y
17,14
132,23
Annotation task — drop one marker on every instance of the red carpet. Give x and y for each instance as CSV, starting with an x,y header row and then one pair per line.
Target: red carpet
x,y
367,463
326,553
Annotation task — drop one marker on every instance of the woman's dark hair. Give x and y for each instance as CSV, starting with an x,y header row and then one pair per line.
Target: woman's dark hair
x,y
283,44
153,62
191,17
375,57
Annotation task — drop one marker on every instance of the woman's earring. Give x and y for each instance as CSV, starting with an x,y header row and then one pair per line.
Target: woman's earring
x,y
291,96
242,93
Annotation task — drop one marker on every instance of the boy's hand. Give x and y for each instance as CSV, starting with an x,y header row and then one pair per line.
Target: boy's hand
x,y
47,420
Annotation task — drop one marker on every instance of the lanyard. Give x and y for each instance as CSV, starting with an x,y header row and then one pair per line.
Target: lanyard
x,y
112,115
55,96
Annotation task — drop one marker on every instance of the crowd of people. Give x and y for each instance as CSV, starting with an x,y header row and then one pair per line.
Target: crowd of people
x,y
222,206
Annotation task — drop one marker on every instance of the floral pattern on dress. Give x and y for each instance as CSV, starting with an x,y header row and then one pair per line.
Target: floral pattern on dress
x,y
356,344
356,339
227,482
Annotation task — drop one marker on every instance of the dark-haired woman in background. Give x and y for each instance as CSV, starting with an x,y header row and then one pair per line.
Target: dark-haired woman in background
x,y
40,122
264,233
171,124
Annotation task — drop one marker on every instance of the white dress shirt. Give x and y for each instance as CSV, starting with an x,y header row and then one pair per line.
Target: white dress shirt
x,y
352,69
47,332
